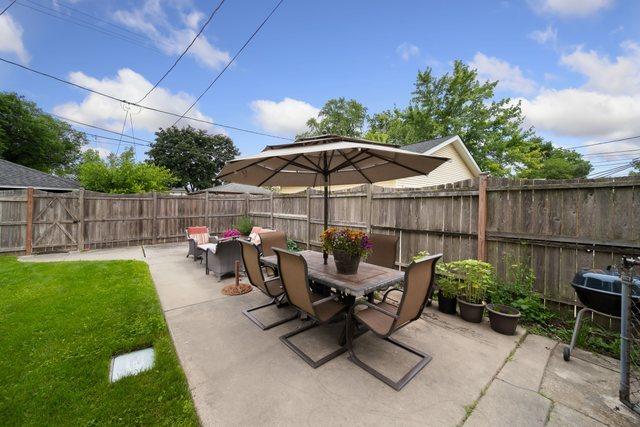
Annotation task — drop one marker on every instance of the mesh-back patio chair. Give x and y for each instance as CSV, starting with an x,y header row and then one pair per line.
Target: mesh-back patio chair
x,y
383,319
271,287
385,249
270,240
295,278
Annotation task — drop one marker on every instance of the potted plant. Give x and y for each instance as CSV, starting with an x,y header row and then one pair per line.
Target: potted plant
x,y
244,225
231,233
476,277
348,247
517,291
447,293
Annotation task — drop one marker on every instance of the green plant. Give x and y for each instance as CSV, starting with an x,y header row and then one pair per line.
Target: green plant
x,y
448,286
420,255
292,245
517,291
244,225
471,279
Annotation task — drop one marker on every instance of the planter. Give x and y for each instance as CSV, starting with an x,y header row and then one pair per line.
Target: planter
x,y
504,319
471,312
446,305
345,262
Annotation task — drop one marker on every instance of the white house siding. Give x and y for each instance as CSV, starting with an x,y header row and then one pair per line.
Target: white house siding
x,y
452,171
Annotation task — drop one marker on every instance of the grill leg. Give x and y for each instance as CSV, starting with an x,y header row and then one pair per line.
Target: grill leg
x,y
574,338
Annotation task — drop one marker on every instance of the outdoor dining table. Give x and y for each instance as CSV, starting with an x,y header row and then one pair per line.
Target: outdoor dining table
x,y
366,281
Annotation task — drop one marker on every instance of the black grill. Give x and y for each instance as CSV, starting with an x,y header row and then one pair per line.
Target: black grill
x,y
600,290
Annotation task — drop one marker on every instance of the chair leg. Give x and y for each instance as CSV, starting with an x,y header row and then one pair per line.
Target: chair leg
x,y
313,363
396,385
249,314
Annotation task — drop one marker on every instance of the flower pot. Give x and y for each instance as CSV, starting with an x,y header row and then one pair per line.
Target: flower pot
x,y
504,319
345,262
471,312
446,305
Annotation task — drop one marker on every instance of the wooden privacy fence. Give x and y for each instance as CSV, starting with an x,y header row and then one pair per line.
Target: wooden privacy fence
x,y
554,226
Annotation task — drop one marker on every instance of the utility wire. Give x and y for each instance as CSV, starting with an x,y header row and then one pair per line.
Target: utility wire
x,y
606,142
157,110
184,52
7,8
610,153
126,115
230,62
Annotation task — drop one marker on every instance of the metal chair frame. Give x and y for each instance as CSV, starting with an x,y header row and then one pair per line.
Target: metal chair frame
x,y
424,357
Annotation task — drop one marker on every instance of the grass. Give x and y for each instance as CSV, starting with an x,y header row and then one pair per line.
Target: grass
x,y
60,324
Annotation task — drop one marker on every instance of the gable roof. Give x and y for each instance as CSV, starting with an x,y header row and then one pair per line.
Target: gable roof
x,y
431,146
13,175
234,188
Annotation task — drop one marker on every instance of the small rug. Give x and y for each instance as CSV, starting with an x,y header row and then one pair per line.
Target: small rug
x,y
236,289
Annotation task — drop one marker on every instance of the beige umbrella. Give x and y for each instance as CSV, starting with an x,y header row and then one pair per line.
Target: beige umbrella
x,y
327,159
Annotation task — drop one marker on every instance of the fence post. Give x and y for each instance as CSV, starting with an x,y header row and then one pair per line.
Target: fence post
x,y
28,242
246,204
308,218
368,207
81,220
206,208
271,202
154,225
482,217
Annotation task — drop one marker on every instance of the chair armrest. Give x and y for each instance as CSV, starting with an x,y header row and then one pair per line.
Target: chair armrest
x,y
323,300
272,279
384,298
375,307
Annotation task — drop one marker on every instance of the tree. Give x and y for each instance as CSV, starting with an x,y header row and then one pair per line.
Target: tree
x,y
557,163
636,168
457,103
338,117
194,156
121,174
32,138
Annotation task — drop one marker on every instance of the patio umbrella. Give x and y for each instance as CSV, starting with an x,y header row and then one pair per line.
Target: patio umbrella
x,y
327,160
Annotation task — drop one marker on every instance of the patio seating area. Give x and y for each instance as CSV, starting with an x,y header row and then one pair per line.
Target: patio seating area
x,y
241,374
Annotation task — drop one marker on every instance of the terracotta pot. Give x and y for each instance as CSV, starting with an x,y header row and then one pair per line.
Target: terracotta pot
x,y
504,319
345,262
446,305
471,312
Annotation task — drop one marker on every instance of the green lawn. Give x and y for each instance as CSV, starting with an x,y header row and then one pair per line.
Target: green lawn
x,y
60,323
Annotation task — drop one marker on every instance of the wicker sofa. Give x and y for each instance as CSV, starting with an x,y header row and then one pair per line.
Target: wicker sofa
x,y
221,258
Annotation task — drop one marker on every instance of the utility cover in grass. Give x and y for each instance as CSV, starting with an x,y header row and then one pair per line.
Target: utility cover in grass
x,y
126,365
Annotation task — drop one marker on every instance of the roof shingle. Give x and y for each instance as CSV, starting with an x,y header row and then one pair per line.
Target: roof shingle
x,y
13,175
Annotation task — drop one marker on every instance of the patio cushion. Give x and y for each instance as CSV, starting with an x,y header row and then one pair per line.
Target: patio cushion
x,y
206,246
200,238
378,322
254,237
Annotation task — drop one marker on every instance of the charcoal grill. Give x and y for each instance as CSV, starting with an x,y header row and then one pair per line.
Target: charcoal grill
x,y
600,292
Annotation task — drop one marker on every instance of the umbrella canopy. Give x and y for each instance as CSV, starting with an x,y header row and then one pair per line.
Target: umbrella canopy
x,y
337,160
327,159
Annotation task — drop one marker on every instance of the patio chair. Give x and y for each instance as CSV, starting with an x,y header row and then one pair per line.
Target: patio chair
x,y
321,310
199,241
383,319
221,257
385,248
271,287
270,240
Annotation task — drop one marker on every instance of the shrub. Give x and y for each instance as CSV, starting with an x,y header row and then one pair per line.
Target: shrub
x,y
292,245
469,279
244,225
420,255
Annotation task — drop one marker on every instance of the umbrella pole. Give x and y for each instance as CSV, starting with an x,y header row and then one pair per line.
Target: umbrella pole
x,y
326,213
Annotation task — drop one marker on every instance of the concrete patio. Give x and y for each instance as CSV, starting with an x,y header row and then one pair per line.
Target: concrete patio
x,y
239,374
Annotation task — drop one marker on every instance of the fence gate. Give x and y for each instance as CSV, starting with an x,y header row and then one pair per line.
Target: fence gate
x,y
56,218
630,334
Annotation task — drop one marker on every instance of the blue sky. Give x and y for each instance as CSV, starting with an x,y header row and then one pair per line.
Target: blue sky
x,y
574,64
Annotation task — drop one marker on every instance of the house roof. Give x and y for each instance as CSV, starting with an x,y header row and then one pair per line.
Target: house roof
x,y
431,146
13,175
234,188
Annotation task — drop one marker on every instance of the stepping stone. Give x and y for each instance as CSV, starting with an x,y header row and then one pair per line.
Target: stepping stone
x,y
129,364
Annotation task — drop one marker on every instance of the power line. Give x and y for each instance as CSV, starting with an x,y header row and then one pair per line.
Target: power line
x,y
184,52
7,8
230,62
605,142
82,23
99,128
610,153
157,110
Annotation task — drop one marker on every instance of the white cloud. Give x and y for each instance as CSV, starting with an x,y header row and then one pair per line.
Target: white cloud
x,y
128,84
406,51
606,106
11,38
152,21
510,77
570,7
549,35
621,76
287,117
102,151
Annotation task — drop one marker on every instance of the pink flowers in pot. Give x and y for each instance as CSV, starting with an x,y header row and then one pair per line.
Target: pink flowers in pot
x,y
230,233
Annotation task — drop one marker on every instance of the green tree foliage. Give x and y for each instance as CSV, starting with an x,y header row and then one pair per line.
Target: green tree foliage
x,y
194,156
557,163
457,103
339,116
32,138
121,174
636,168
